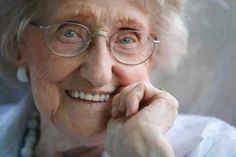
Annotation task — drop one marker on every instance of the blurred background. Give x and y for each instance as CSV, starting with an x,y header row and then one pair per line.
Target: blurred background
x,y
205,82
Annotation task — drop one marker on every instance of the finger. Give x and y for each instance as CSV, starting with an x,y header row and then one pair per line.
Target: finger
x,y
149,91
115,105
123,96
133,99
131,96
162,94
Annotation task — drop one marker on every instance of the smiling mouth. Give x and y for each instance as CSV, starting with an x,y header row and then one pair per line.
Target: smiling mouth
x,y
88,96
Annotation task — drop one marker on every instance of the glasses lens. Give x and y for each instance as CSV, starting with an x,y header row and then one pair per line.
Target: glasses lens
x,y
68,39
131,47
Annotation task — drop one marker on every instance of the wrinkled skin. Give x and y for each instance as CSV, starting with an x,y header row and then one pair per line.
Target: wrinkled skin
x,y
136,112
141,132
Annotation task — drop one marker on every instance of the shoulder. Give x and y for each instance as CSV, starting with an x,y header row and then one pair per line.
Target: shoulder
x,y
8,127
203,136
13,118
7,114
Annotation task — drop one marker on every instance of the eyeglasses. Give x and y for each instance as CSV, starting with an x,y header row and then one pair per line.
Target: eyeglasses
x,y
69,39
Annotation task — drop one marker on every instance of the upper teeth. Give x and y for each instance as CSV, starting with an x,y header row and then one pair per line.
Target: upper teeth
x,y
89,96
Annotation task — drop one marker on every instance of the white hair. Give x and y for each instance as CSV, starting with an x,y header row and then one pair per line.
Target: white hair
x,y
172,32
15,15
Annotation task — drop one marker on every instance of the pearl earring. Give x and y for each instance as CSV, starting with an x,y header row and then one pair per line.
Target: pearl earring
x,y
21,74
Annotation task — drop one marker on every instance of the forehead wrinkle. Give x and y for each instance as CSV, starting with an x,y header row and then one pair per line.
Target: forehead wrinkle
x,y
89,14
99,16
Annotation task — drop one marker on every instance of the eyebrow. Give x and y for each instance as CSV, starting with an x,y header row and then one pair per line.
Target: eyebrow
x,y
80,14
130,23
119,23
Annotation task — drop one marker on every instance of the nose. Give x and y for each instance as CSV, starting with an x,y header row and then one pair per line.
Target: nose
x,y
97,64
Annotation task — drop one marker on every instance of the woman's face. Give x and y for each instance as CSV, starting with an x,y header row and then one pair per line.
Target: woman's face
x,y
56,80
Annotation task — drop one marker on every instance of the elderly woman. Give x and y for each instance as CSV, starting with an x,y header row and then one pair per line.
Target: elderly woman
x,y
88,64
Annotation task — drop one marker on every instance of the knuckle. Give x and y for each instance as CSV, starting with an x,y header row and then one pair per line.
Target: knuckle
x,y
144,84
175,102
169,99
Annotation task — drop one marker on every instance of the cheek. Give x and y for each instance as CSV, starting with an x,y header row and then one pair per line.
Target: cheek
x,y
55,69
46,95
46,86
51,68
131,74
46,72
47,65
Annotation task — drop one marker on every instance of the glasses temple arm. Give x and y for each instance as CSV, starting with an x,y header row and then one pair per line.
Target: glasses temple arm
x,y
35,24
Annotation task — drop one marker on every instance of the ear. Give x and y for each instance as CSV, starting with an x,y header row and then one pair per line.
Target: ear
x,y
22,71
20,47
19,60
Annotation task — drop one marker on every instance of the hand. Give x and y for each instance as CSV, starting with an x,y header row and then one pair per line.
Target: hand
x,y
141,116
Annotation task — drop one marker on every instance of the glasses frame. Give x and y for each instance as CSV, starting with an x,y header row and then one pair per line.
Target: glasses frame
x,y
108,42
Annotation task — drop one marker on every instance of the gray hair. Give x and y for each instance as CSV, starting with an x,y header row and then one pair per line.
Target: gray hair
x,y
15,15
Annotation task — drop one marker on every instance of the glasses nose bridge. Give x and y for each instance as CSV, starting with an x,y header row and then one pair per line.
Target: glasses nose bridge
x,y
100,34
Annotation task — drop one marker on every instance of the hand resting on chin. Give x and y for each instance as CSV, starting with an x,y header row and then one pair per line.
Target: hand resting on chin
x,y
141,116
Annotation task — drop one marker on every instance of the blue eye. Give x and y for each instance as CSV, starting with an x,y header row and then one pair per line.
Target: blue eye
x,y
69,34
126,40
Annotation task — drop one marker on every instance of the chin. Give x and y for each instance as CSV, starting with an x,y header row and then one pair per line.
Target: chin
x,y
86,137
93,140
87,126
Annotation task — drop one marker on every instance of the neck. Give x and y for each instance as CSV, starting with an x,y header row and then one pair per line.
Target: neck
x,y
56,143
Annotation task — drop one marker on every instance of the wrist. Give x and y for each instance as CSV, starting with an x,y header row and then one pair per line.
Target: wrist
x,y
149,140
